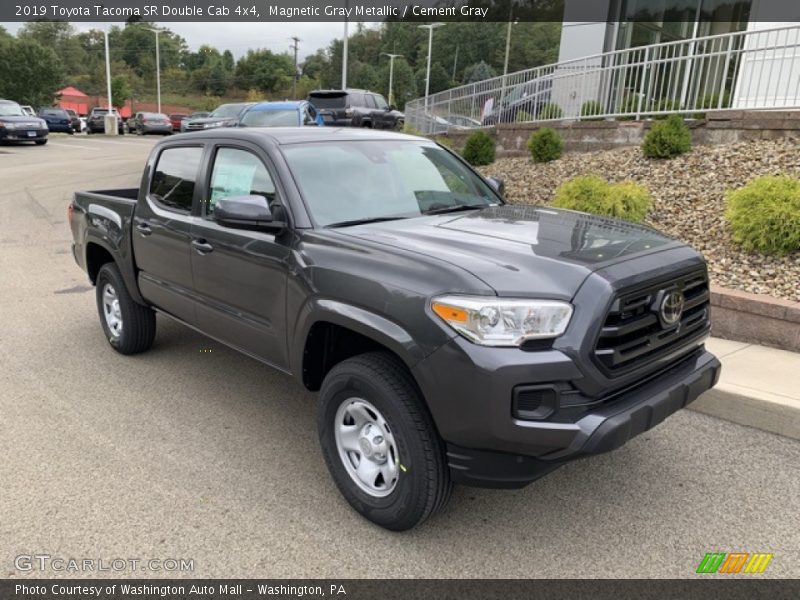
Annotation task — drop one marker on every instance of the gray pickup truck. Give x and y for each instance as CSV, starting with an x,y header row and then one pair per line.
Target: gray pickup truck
x,y
453,338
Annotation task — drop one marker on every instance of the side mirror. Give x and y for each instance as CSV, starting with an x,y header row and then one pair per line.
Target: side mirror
x,y
249,212
497,184
391,107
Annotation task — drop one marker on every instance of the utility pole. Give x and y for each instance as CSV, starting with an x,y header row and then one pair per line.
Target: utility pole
x,y
391,75
108,73
455,64
294,81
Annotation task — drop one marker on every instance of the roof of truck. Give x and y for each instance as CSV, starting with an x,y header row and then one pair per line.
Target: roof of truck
x,y
301,135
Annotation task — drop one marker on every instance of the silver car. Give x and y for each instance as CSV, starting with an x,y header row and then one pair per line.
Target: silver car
x,y
148,122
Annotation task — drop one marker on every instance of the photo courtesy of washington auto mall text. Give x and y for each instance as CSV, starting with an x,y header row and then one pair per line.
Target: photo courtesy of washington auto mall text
x,y
435,299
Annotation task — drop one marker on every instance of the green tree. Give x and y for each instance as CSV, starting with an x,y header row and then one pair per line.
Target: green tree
x,y
60,36
478,72
120,90
264,70
29,72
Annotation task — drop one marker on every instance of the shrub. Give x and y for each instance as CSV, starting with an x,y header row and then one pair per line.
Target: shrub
x,y
764,215
523,116
479,149
545,145
666,104
551,111
591,108
592,194
630,104
667,138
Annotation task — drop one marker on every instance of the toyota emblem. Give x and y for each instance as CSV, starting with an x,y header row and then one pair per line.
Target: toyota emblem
x,y
672,307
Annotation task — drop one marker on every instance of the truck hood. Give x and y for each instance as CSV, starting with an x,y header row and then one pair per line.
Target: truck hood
x,y
520,250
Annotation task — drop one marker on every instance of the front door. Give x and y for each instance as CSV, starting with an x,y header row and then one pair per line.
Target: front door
x,y
161,230
240,275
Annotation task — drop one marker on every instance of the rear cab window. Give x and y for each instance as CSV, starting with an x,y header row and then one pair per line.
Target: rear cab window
x,y
174,178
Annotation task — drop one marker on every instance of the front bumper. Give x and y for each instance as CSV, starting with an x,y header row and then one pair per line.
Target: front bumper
x,y
23,135
489,447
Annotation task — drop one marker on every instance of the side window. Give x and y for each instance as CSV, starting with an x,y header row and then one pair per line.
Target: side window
x,y
357,99
371,101
239,173
381,102
174,177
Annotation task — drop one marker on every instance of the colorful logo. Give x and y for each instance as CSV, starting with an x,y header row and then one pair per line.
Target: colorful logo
x,y
734,562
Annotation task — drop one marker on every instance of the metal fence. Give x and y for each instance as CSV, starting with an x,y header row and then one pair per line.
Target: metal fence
x,y
748,69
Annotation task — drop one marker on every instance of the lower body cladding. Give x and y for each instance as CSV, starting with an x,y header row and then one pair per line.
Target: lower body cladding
x,y
509,416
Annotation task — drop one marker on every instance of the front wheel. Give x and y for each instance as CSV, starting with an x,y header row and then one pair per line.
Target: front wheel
x,y
40,142
379,442
129,327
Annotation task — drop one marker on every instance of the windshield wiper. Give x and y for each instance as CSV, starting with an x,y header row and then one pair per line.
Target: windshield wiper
x,y
456,208
365,221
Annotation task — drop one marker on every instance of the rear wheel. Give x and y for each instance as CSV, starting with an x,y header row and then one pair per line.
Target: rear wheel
x,y
379,442
129,327
40,142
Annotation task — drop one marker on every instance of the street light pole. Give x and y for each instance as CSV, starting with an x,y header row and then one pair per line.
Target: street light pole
x,y
430,29
158,67
108,73
344,52
508,52
391,74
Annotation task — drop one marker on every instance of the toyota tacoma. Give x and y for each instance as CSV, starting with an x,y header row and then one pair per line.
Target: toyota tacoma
x,y
453,338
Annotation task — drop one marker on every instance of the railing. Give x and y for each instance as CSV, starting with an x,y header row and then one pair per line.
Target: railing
x,y
748,69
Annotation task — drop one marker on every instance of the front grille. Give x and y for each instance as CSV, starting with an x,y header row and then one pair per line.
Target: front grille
x,y
634,333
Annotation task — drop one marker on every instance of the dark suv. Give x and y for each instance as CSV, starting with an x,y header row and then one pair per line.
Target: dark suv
x,y
96,122
356,108
57,119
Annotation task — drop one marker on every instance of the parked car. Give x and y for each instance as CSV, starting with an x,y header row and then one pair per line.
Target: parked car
x,y
227,115
16,126
57,119
453,338
175,119
191,117
27,110
95,122
75,120
281,114
148,122
356,108
524,99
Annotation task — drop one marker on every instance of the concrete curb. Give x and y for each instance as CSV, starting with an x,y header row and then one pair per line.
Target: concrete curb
x,y
759,387
752,408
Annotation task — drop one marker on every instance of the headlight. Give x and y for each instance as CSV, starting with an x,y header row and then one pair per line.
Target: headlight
x,y
9,125
500,321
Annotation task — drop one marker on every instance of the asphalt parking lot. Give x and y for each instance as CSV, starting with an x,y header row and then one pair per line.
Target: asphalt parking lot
x,y
194,451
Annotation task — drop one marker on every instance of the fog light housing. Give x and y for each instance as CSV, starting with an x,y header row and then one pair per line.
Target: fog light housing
x,y
533,402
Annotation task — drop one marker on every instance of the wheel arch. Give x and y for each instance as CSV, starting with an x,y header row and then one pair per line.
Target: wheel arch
x,y
334,331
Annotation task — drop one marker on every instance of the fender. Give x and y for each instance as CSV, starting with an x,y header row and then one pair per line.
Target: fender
x,y
369,324
118,246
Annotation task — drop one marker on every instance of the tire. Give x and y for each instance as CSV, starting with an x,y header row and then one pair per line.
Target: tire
x,y
40,142
378,386
137,323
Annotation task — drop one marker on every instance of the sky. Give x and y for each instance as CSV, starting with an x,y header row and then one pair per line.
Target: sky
x,y
239,37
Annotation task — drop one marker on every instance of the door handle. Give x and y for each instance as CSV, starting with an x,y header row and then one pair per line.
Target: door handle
x,y
202,246
144,228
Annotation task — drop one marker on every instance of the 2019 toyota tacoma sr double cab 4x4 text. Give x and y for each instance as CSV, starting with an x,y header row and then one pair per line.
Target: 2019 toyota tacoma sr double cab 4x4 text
x,y
453,338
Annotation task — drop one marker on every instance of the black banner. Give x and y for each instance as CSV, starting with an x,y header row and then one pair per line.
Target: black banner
x,y
411,10
747,588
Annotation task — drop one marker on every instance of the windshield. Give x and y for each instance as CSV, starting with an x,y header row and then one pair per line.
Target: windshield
x,y
271,118
328,100
349,181
8,109
227,111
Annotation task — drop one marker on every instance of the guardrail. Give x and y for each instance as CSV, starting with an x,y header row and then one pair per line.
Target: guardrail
x,y
747,69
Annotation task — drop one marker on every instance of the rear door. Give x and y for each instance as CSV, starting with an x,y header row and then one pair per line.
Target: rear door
x,y
161,230
239,275
381,116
